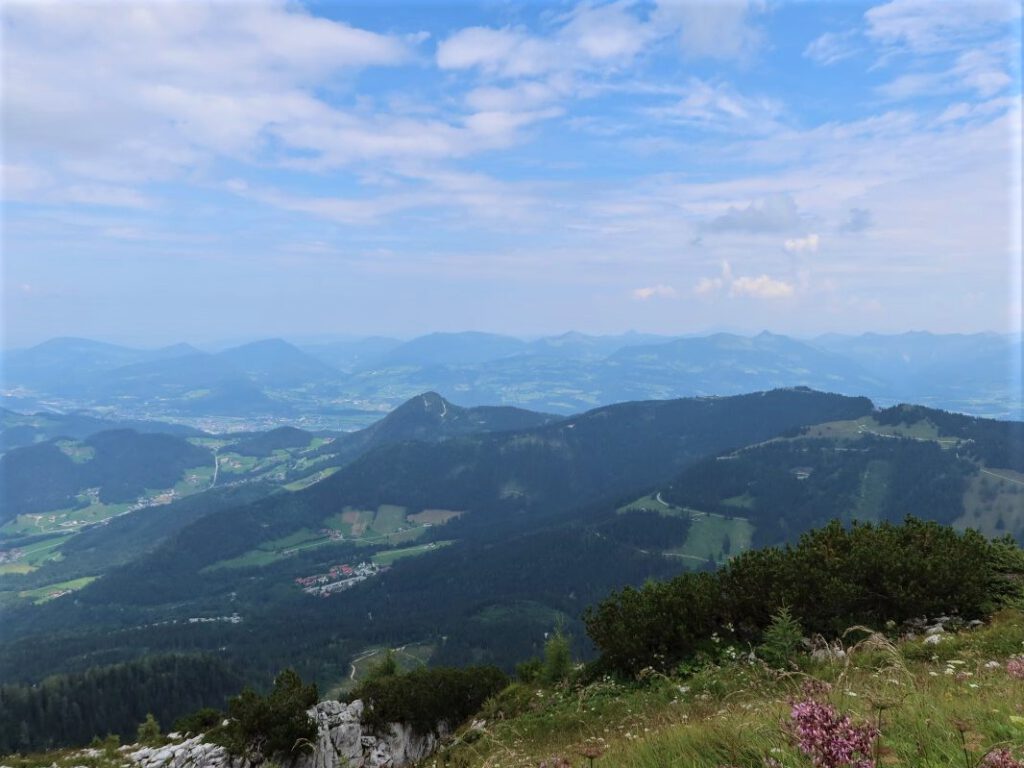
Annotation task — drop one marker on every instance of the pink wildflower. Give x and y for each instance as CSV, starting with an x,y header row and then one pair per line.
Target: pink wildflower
x,y
1015,667
831,740
1000,758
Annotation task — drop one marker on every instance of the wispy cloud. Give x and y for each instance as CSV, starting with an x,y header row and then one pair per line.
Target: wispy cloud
x,y
924,26
654,292
808,244
832,47
775,213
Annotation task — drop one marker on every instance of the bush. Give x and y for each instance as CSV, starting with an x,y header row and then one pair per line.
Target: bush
x,y
781,640
149,731
386,667
273,724
428,699
833,578
200,721
529,671
557,658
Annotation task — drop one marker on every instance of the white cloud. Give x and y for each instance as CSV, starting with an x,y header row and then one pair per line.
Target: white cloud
x,y
929,26
589,37
509,52
808,244
157,90
775,213
717,30
761,287
719,105
831,47
654,291
607,32
982,70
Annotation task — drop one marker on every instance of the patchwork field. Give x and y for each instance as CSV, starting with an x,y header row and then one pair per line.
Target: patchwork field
x,y
388,525
389,556
866,425
28,557
712,537
52,591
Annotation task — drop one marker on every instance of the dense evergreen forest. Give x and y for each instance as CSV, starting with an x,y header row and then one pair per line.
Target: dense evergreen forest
x,y
72,709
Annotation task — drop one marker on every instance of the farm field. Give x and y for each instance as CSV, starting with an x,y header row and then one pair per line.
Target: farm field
x,y
389,556
34,555
53,591
388,525
713,537
312,479
867,425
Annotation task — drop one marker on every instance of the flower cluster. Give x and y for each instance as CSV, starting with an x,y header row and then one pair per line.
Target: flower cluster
x,y
830,739
1015,667
1001,758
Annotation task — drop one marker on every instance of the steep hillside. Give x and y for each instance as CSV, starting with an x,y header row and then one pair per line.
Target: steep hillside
x,y
18,429
115,466
498,523
904,460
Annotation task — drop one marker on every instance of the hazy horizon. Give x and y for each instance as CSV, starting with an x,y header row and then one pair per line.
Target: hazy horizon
x,y
219,343
222,170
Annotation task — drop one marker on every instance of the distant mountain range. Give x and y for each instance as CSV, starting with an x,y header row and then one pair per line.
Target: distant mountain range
x,y
349,383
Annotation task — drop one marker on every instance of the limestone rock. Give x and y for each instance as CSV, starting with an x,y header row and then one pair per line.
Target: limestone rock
x,y
342,741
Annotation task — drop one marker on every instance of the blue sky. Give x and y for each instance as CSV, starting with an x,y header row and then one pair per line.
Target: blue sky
x,y
197,171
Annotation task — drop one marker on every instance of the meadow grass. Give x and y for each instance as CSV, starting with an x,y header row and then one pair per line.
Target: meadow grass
x,y
936,707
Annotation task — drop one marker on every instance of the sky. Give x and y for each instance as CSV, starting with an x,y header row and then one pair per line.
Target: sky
x,y
192,171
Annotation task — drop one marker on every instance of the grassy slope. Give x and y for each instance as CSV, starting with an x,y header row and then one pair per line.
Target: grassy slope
x,y
733,714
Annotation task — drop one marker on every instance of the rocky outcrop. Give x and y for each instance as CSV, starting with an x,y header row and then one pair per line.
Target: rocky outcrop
x,y
342,741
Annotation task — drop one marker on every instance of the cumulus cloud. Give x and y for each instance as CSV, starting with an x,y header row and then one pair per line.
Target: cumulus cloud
x,y
774,213
590,36
761,287
757,287
159,90
808,244
654,292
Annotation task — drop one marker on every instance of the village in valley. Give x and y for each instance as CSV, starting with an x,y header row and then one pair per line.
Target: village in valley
x,y
338,578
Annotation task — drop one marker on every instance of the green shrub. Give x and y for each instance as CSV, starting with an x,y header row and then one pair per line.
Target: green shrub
x,y
529,671
386,667
199,721
782,640
833,578
273,724
557,658
428,699
512,701
149,731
